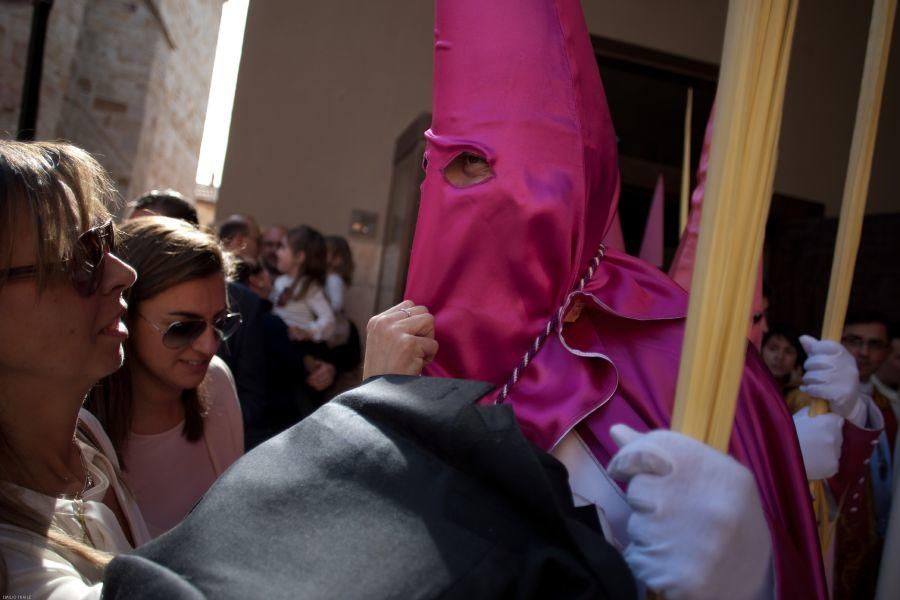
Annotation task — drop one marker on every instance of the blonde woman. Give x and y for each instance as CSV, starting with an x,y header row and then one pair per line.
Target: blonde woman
x,y
63,510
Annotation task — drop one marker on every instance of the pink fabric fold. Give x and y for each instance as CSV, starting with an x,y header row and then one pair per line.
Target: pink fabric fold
x,y
682,267
614,238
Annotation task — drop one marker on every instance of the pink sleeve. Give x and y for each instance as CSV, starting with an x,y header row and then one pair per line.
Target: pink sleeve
x,y
224,424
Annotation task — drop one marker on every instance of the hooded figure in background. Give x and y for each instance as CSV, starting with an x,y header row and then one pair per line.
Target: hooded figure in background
x,y
521,185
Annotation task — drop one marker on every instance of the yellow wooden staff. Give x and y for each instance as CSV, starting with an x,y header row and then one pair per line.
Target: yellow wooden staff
x,y
853,205
862,148
686,164
755,58
749,100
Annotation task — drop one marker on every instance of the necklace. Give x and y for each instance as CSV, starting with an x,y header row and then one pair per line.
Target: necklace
x,y
88,478
78,499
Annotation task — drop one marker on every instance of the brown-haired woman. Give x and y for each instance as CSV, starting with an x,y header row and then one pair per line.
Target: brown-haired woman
x,y
63,510
172,411
339,276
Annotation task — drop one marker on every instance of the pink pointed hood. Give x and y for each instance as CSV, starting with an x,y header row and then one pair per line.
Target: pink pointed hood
x,y
682,267
515,82
509,266
652,244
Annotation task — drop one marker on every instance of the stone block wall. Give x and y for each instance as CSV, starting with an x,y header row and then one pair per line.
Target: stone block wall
x,y
176,99
15,28
126,79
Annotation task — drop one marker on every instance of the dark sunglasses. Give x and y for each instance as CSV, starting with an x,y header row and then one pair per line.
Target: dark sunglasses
x,y
183,333
85,267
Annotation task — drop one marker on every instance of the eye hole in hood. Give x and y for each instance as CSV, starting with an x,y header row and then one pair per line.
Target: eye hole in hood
x,y
467,169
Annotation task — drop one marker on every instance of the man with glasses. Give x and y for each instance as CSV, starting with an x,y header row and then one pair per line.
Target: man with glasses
x,y
861,529
887,379
866,338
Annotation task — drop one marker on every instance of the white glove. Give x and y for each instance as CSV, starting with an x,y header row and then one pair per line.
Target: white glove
x,y
831,374
698,530
820,442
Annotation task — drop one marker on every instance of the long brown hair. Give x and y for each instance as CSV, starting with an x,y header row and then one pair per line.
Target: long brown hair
x,y
338,248
309,241
165,252
62,191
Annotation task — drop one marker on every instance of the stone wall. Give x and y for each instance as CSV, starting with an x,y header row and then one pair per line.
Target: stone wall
x,y
15,28
103,108
63,31
176,98
126,79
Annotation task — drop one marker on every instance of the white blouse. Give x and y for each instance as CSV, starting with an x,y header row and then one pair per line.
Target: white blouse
x,y
37,571
335,289
311,313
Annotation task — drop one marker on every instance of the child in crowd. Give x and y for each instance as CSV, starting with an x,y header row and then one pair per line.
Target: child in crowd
x,y
298,295
340,275
172,411
344,348
784,356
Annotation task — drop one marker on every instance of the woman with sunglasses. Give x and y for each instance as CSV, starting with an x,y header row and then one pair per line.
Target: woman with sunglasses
x,y
172,411
63,510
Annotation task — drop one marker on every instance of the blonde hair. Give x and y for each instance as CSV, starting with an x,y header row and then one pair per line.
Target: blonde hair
x,y
60,191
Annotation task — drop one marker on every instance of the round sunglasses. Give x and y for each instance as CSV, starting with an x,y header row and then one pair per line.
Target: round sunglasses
x,y
180,334
85,266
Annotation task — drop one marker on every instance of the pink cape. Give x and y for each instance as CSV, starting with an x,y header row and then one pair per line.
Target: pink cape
x,y
516,83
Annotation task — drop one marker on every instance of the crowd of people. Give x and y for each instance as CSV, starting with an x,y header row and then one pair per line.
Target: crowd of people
x,y
871,354
166,415
200,314
229,339
289,288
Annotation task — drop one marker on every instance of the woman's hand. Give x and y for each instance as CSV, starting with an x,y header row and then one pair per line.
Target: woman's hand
x,y
400,341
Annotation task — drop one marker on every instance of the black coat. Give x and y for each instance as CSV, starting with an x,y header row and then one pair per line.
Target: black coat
x,y
268,369
244,353
401,488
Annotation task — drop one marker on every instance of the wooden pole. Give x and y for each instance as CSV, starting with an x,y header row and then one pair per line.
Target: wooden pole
x,y
755,60
856,186
853,207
